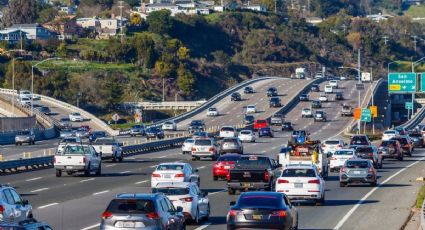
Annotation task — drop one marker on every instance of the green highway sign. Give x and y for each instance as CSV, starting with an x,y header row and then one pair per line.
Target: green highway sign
x,y
408,105
422,82
366,115
402,82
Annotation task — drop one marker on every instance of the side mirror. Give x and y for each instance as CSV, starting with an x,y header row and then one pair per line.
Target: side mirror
x,y
196,170
25,202
232,203
179,209
204,193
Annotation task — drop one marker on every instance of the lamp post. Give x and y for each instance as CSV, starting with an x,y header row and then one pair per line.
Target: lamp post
x,y
359,81
13,84
32,80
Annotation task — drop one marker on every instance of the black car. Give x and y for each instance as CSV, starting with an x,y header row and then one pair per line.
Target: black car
x,y
339,96
272,92
275,102
46,110
320,116
29,224
267,132
154,132
235,97
262,210
287,126
248,90
248,119
304,97
196,125
97,134
359,140
316,104
315,88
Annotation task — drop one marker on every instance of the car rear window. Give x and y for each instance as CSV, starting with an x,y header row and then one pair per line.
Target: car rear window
x,y
415,135
230,141
387,143
212,109
196,123
332,142
298,173
189,141
364,150
357,164
227,129
261,122
229,158
259,200
130,206
389,132
169,167
171,191
402,141
75,150
246,132
203,142
359,141
340,153
253,162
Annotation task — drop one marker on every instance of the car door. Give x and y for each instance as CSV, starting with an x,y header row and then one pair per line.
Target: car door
x,y
203,201
95,157
20,209
292,210
173,219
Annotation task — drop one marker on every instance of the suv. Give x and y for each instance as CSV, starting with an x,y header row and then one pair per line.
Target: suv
x,y
235,97
306,112
137,211
346,111
228,131
359,140
248,90
25,137
320,116
304,97
272,92
277,119
275,102
196,125
339,96
13,208
205,147
137,130
316,104
248,119
231,145
315,88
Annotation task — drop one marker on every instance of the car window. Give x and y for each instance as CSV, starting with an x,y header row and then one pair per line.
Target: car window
x,y
234,141
345,152
164,205
170,205
171,191
229,158
286,200
203,142
253,162
357,164
272,201
298,173
332,142
125,206
8,196
16,196
189,141
227,129
169,167
246,132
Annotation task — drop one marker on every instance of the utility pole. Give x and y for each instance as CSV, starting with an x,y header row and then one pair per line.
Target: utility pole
x,y
385,39
308,8
121,26
373,118
414,42
359,81
275,6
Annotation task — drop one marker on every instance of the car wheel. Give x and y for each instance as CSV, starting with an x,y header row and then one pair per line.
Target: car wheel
x,y
196,220
321,201
342,184
58,173
332,170
230,191
400,158
114,159
373,184
193,158
121,158
208,212
99,170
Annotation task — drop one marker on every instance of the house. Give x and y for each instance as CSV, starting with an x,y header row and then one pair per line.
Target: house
x,y
88,23
67,27
314,20
259,8
379,17
34,31
67,9
12,35
175,7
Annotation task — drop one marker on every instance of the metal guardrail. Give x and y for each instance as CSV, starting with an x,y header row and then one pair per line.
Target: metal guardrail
x,y
415,120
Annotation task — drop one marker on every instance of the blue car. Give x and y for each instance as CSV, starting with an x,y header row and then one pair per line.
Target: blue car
x,y
265,132
97,134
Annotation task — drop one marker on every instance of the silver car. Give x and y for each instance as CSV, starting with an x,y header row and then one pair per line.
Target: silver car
x,y
231,145
82,133
357,171
14,208
142,211
25,137
65,133
137,130
205,147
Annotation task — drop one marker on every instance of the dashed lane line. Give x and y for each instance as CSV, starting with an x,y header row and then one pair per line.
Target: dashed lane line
x,y
203,226
33,179
47,205
81,181
101,192
39,190
91,227
141,182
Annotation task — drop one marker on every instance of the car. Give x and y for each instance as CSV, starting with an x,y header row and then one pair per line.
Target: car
x,y
401,130
26,136
24,94
389,134
346,111
196,125
316,104
251,109
13,207
187,146
320,116
287,126
302,182
66,141
357,171
223,164
265,132
406,146
195,203
246,136
272,92
174,172
77,157
262,210
277,119
339,96
97,134
328,89
418,139
82,133
155,133
391,149
28,224
275,102
205,148
212,112
306,112
304,97
169,126
137,130
45,110
248,119
24,101
235,97
64,133
248,90
228,131
109,147
368,152
75,116
315,88
323,98
142,211
334,83
299,137
343,78
260,123
199,134
64,122
359,139
231,145
332,145
339,157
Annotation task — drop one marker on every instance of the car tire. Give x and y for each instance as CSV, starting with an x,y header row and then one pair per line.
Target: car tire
x,y
121,158
373,184
206,217
321,201
400,158
332,170
114,159
197,220
193,158
87,171
230,191
58,173
342,184
99,170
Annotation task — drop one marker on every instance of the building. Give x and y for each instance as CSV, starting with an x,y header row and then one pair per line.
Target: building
x,y
67,9
379,17
34,31
259,8
175,7
88,23
12,35
65,27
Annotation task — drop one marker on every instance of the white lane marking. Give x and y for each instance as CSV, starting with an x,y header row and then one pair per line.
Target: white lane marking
x,y
203,226
153,166
201,167
90,227
47,205
217,192
141,182
39,190
101,192
110,165
125,172
353,209
87,180
162,157
33,179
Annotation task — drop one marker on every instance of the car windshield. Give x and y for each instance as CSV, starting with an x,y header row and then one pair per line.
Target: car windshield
x,y
105,141
274,99
168,123
129,206
137,126
332,142
298,173
212,109
227,129
261,121
24,133
364,149
359,141
197,123
306,110
203,134
178,167
171,191
346,107
357,164
248,201
253,162
234,141
64,119
189,141
403,141
343,152
415,135
75,150
387,143
203,142
229,158
75,114
153,130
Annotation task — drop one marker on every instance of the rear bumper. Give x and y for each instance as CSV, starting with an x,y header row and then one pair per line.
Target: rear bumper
x,y
258,225
366,179
71,168
235,150
203,154
248,185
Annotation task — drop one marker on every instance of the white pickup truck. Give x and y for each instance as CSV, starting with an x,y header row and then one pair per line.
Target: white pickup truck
x,y
108,148
76,158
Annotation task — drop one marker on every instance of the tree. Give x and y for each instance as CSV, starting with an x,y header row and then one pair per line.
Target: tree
x,y
185,80
22,75
47,15
20,12
160,22
183,53
355,40
61,50
112,91
135,19
164,68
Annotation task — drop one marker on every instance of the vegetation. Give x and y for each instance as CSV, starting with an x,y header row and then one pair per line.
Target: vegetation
x,y
421,197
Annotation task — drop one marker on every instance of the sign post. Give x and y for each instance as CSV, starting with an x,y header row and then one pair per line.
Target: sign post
x,y
366,115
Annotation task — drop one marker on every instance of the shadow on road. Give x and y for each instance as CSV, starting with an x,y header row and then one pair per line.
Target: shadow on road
x,y
347,202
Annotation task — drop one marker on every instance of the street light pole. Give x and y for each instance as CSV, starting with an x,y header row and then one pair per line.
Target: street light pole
x,y
413,71
359,82
163,89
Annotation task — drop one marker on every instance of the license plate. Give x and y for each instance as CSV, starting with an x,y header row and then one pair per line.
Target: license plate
x,y
246,184
167,176
256,217
298,185
226,167
128,225
68,167
357,172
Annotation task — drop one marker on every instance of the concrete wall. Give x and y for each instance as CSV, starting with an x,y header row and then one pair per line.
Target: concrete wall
x,y
17,123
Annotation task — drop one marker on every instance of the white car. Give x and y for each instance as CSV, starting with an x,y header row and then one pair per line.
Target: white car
x,y
339,157
212,112
66,141
169,126
329,89
24,94
174,172
75,116
228,131
251,109
24,101
388,134
323,98
343,78
330,146
334,83
246,136
306,112
195,203
187,145
302,182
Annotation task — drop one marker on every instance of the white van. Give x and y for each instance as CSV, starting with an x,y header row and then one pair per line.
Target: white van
x,y
328,89
334,83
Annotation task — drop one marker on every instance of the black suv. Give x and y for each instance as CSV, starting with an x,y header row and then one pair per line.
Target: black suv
x,y
287,126
339,96
315,88
248,90
235,97
272,92
304,97
275,102
248,119
316,104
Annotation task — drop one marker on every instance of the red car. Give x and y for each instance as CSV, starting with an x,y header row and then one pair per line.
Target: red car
x,y
86,127
223,164
258,124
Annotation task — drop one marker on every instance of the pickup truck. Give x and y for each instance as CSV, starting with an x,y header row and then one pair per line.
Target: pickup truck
x,y
77,158
277,119
252,173
258,124
108,148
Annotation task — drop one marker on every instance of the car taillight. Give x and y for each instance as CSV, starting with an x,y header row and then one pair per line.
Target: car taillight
x,y
179,175
280,213
228,177
314,181
106,215
370,154
152,215
211,149
282,181
370,170
266,176
343,169
156,175
339,146
323,146
217,165
233,213
84,160
187,199
193,149
333,158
